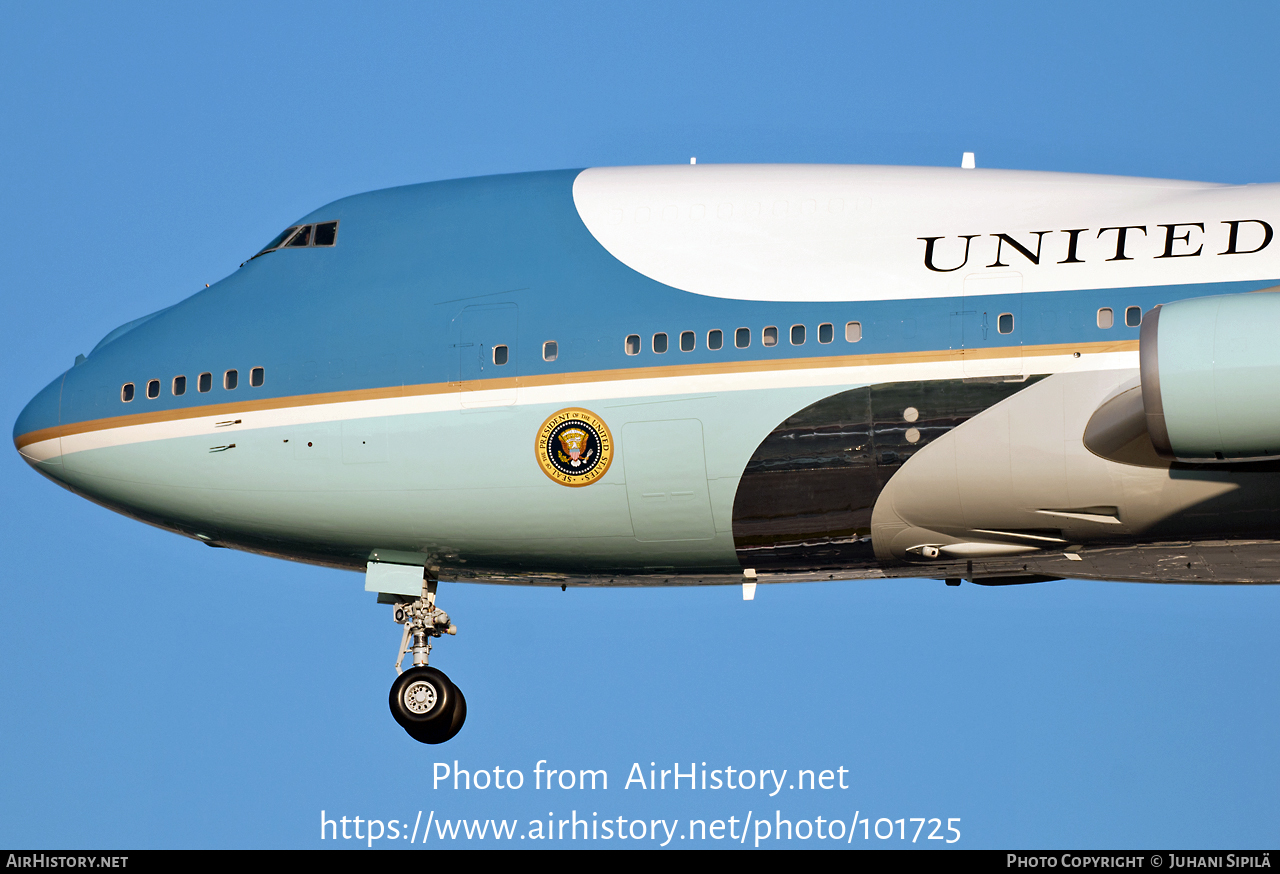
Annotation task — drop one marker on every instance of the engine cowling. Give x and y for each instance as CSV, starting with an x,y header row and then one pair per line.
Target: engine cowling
x,y
1211,377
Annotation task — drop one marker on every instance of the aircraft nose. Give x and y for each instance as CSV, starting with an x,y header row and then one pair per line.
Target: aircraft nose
x,y
35,434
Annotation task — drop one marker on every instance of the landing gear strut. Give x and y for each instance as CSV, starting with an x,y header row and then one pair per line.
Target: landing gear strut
x,y
423,700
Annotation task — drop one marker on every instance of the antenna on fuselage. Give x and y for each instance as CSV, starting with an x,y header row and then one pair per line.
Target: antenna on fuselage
x,y
967,162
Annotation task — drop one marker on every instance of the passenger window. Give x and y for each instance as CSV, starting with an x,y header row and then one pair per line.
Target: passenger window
x,y
715,339
126,392
659,343
769,336
852,332
153,389
797,335
179,385
826,332
301,238
742,338
550,350
326,234
230,379
500,355
1106,318
688,340
1005,323
256,376
205,382
633,344
1133,317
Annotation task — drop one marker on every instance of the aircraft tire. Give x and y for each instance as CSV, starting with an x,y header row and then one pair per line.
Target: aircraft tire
x,y
422,697
441,732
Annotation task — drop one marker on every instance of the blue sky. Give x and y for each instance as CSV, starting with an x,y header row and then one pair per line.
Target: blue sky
x,y
157,693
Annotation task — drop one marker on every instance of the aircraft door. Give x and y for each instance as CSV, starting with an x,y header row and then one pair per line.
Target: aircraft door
x,y
986,325
488,363
667,480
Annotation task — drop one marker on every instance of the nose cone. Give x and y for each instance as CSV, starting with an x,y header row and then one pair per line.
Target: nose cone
x,y
35,434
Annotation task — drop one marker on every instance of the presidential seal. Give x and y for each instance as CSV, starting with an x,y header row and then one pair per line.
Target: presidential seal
x,y
574,447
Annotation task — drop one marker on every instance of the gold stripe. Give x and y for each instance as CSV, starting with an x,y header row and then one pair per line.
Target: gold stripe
x,y
629,373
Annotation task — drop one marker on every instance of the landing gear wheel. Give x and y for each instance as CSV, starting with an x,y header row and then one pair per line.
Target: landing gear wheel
x,y
422,698
440,732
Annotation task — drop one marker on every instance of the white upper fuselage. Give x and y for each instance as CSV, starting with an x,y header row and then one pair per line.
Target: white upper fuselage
x,y
858,233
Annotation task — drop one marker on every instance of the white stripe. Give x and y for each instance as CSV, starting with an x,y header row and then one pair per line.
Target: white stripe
x,y
573,393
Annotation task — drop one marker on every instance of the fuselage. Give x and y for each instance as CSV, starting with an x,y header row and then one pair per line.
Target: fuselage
x,y
805,371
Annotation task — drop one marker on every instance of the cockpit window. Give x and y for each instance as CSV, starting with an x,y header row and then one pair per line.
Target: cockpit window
x,y
303,236
326,234
280,238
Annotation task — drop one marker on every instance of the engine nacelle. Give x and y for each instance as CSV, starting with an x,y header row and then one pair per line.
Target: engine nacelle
x,y
1211,377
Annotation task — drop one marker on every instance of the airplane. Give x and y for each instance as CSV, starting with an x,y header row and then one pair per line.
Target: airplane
x,y
709,374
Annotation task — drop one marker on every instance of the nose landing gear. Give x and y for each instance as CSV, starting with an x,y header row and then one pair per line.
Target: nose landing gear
x,y
423,700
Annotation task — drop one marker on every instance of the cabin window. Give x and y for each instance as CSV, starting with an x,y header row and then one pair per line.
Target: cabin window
x,y
500,355
550,350
230,379
257,376
126,392
688,340
633,344
715,339
300,239
326,234
797,335
179,385
852,332
205,382
659,343
1133,317
826,332
769,336
742,338
1106,318
1004,324
153,389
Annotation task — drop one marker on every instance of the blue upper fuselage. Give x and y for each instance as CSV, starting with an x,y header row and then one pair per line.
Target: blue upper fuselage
x,y
380,308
